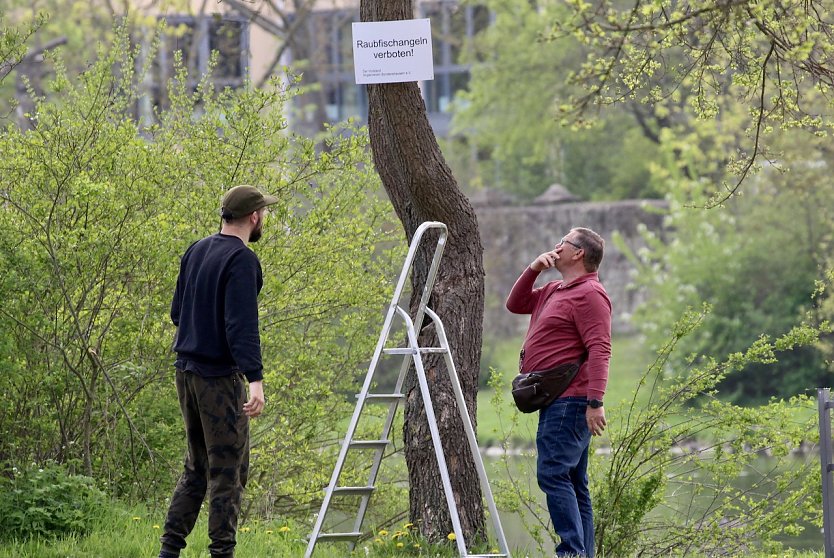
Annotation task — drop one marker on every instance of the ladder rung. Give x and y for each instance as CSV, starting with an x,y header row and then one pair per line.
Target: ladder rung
x,y
369,444
410,351
362,490
338,536
404,351
383,397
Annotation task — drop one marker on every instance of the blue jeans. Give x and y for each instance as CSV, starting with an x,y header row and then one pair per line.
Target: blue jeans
x,y
562,442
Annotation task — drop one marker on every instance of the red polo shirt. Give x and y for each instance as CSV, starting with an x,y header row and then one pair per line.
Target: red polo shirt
x,y
566,321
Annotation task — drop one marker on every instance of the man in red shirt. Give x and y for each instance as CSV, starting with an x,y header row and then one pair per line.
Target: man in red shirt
x,y
570,321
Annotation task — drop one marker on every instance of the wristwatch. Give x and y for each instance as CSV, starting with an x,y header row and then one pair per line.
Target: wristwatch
x,y
595,403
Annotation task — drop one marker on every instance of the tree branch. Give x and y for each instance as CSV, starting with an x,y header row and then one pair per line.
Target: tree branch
x,y
756,142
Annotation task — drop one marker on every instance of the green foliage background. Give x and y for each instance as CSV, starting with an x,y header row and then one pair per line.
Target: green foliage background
x,y
511,116
756,261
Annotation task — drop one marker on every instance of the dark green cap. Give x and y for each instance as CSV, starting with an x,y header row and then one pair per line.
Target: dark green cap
x,y
243,200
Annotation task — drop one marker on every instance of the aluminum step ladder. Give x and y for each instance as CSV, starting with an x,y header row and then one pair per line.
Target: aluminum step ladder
x,y
415,352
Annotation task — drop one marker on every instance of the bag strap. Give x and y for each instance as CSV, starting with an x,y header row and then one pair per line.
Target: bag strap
x,y
521,352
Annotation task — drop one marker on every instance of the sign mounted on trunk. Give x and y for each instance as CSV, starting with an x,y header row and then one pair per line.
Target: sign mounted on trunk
x,y
392,51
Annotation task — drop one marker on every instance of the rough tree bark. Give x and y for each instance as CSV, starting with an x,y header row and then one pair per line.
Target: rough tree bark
x,y
422,188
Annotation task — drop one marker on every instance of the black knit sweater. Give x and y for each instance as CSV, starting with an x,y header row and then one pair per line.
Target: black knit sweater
x,y
215,309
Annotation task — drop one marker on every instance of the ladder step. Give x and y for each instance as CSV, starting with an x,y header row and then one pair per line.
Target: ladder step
x,y
409,351
383,397
369,444
361,490
405,351
338,536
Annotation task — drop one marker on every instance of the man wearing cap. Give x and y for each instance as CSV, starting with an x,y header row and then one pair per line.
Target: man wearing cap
x,y
218,350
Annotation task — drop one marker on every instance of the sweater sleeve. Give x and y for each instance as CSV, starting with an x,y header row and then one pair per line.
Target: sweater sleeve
x,y
176,303
523,298
593,320
241,310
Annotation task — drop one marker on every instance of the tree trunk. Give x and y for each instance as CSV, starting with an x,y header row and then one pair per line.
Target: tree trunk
x,y
421,188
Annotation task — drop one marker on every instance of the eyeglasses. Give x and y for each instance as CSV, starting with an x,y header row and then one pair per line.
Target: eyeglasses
x,y
572,243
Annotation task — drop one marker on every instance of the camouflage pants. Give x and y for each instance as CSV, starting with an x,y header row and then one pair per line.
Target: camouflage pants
x,y
217,460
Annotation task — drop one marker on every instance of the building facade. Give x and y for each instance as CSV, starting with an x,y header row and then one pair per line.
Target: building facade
x,y
254,40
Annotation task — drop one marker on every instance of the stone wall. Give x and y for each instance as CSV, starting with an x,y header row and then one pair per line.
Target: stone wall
x,y
514,235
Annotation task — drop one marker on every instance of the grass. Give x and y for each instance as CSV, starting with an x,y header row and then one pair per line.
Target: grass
x,y
134,533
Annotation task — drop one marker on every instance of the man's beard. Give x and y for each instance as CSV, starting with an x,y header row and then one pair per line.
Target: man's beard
x,y
256,234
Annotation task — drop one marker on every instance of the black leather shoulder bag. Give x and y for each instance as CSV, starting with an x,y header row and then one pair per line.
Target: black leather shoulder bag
x,y
536,390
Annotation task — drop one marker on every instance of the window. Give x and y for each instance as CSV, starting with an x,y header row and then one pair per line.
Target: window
x,y
194,39
325,56
343,101
451,25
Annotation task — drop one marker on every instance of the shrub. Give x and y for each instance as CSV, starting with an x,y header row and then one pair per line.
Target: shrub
x,y
96,209
48,502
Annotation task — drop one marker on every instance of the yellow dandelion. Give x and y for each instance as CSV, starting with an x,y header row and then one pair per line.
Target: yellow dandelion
x,y
451,536
416,545
245,529
400,545
378,541
284,529
408,526
136,518
494,551
156,526
383,532
269,531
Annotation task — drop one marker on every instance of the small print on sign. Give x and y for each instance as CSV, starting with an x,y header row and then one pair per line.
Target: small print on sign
x,y
392,51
